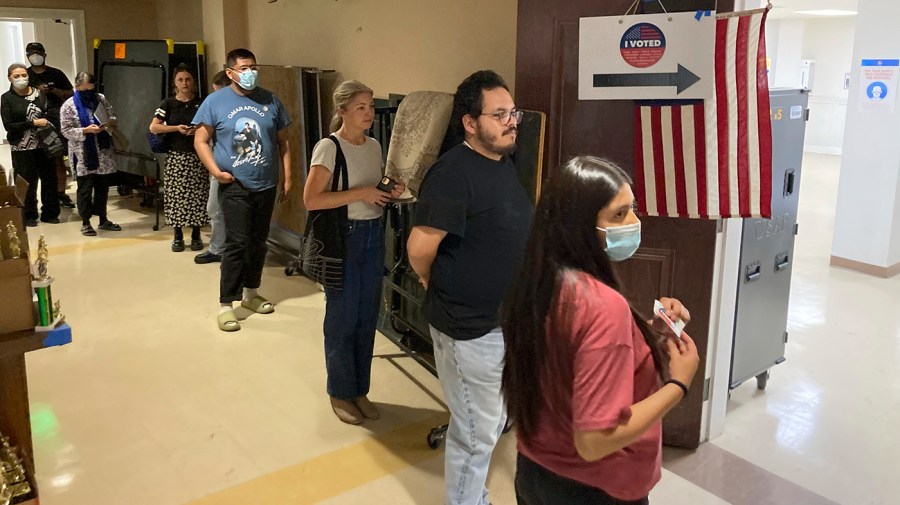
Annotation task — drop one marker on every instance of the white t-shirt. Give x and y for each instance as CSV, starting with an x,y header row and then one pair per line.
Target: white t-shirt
x,y
364,168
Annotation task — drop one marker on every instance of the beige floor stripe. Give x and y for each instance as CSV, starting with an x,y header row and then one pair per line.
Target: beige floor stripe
x,y
336,472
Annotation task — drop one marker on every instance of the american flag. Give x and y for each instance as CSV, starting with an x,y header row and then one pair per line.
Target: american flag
x,y
712,158
642,32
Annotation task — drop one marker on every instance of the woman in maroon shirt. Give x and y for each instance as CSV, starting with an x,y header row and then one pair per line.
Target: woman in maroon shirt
x,y
587,380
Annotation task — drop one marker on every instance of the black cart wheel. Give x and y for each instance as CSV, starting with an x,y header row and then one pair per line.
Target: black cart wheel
x,y
762,379
124,190
156,227
436,438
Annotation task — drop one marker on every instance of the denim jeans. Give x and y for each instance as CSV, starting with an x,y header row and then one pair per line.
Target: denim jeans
x,y
351,313
470,372
216,218
536,485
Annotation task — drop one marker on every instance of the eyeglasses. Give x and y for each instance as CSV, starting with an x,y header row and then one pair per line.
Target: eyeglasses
x,y
507,117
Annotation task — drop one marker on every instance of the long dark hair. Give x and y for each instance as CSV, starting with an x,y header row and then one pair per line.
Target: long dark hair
x,y
563,239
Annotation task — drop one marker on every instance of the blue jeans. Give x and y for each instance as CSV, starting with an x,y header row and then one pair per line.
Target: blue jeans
x,y
216,219
351,313
470,372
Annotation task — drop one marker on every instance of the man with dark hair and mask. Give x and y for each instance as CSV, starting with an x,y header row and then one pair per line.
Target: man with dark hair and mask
x,y
248,186
55,86
469,233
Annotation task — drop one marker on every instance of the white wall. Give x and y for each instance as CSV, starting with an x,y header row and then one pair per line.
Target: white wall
x,y
394,46
787,39
57,40
12,50
866,228
829,42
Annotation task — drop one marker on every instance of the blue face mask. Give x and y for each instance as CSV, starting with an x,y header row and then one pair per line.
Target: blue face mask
x,y
247,79
622,241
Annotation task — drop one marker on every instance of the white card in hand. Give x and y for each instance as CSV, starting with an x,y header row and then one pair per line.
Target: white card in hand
x,y
660,312
102,115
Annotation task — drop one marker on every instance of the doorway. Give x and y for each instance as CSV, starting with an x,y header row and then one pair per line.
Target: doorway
x,y
60,30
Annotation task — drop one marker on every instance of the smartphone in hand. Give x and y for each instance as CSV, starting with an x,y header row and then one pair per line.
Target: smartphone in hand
x,y
387,184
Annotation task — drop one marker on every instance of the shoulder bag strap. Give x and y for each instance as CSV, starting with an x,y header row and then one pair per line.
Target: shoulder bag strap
x,y
340,163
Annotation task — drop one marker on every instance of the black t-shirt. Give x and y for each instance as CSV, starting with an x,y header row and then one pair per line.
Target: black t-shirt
x,y
486,213
55,78
174,112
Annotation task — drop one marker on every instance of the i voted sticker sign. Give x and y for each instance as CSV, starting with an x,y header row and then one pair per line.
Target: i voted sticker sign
x,y
643,45
646,57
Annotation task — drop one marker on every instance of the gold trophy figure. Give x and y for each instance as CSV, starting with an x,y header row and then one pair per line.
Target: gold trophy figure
x,y
48,311
13,237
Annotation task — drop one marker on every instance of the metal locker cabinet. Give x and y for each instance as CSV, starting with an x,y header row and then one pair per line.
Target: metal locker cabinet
x,y
767,250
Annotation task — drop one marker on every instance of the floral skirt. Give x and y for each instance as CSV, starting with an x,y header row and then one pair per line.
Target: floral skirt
x,y
186,190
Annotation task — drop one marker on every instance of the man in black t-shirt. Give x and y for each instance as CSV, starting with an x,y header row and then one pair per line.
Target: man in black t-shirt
x,y
55,86
470,228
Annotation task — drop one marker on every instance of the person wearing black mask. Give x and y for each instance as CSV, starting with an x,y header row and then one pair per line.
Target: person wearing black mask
x,y
55,86
85,118
24,113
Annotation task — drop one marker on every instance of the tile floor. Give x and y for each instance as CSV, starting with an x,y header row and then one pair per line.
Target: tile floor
x,y
151,404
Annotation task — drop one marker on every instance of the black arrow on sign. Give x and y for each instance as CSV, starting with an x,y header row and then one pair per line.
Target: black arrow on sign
x,y
682,79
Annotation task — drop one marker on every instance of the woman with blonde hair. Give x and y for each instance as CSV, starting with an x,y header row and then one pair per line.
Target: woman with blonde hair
x,y
351,309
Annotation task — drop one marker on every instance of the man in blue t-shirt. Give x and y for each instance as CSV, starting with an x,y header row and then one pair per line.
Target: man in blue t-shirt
x,y
248,127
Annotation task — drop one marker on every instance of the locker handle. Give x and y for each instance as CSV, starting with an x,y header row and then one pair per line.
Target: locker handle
x,y
753,272
788,183
785,261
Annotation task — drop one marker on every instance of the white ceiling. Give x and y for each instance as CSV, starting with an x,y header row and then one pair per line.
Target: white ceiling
x,y
788,8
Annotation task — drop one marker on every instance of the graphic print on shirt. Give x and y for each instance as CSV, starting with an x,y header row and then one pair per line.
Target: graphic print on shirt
x,y
246,143
30,140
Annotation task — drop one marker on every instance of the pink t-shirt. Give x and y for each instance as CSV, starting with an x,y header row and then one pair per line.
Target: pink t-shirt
x,y
609,370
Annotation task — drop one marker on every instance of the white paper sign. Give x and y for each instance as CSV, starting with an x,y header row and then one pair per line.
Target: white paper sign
x,y
647,56
878,84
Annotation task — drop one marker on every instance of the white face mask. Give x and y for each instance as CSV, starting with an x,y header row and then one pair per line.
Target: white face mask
x,y
36,59
20,83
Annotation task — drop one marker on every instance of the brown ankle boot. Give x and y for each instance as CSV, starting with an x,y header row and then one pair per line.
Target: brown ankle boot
x,y
346,411
366,407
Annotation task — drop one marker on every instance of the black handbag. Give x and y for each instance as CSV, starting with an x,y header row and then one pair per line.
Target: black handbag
x,y
50,142
324,246
157,143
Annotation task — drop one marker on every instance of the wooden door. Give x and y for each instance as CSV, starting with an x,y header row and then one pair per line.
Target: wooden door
x,y
677,255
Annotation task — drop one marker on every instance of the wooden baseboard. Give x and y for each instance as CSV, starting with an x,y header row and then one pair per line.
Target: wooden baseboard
x,y
858,266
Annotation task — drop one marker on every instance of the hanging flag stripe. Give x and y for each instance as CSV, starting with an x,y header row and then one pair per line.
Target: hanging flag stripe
x,y
711,159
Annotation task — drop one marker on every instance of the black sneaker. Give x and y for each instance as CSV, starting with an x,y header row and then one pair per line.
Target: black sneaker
x,y
65,201
177,245
88,231
207,257
31,223
52,220
196,244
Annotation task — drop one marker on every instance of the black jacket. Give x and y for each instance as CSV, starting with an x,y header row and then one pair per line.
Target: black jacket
x,y
14,113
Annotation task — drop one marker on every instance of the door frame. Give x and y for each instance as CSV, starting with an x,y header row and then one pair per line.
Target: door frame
x,y
74,16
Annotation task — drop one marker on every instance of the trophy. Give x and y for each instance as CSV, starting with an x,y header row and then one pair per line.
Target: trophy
x,y
49,315
14,484
13,237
